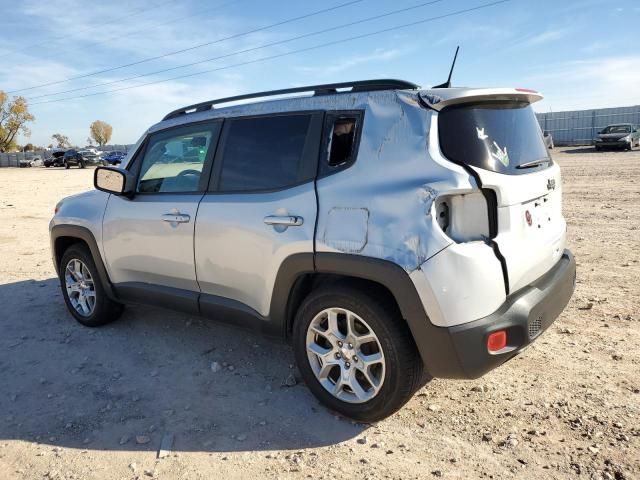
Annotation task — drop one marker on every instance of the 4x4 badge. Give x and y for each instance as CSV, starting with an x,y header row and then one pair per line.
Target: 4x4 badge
x,y
551,184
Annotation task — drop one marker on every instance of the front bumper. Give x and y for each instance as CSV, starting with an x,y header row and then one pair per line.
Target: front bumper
x,y
461,351
613,144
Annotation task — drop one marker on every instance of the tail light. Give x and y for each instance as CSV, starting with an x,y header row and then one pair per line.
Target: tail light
x,y
464,217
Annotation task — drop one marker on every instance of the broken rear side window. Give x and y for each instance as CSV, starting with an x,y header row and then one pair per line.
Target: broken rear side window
x,y
342,141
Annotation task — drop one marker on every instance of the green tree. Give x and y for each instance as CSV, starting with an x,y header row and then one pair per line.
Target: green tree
x,y
14,116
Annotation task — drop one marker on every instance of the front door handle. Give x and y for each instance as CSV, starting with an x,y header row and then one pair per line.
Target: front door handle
x,y
284,220
176,218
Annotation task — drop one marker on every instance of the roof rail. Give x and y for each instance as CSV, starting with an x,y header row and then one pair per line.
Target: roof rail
x,y
327,89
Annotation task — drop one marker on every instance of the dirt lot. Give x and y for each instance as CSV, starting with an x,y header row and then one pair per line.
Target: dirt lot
x,y
96,404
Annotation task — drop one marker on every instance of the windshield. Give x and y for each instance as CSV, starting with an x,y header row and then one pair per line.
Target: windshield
x,y
617,129
502,137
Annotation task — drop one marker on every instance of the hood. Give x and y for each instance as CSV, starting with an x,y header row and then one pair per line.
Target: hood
x,y
615,136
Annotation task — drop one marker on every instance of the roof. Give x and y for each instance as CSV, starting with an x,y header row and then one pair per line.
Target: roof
x,y
325,89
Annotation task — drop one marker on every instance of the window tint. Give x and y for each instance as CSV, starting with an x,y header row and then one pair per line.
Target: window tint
x,y
174,163
263,153
342,141
500,137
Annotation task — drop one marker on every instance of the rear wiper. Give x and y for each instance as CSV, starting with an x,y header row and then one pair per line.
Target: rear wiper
x,y
534,163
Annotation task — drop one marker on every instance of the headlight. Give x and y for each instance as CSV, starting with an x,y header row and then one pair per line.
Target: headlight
x,y
627,138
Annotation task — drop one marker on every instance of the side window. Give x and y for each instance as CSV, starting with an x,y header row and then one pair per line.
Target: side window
x,y
174,161
265,153
342,138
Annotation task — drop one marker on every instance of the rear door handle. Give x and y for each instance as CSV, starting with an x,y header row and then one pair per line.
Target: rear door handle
x,y
286,220
176,218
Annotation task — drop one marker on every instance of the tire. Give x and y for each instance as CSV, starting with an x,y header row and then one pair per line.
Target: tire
x,y
402,371
81,164
66,165
104,309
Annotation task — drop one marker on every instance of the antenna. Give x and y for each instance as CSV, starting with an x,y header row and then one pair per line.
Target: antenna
x,y
447,84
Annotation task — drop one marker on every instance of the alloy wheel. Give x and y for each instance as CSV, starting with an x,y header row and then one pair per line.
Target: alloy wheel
x,y
80,287
345,355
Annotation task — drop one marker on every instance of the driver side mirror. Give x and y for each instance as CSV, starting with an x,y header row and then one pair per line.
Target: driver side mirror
x,y
114,180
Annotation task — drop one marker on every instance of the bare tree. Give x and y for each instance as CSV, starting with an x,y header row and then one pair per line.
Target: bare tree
x,y
63,140
101,132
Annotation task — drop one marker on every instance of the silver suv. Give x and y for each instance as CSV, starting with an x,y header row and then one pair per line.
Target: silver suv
x,y
391,234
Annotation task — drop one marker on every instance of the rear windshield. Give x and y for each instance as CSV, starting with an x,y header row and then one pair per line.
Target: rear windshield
x,y
501,137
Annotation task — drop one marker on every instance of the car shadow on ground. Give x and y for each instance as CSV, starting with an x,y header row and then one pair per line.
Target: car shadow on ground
x,y
128,385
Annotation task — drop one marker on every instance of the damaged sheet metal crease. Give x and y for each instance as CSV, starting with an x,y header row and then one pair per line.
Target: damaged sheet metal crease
x,y
392,160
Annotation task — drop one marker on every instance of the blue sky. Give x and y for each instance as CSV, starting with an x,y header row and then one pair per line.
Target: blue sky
x,y
579,54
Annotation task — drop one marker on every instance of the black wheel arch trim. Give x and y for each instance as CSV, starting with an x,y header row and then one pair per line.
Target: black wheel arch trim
x,y
85,235
434,343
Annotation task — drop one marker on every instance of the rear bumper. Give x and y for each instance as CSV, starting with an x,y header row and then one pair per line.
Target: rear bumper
x,y
461,351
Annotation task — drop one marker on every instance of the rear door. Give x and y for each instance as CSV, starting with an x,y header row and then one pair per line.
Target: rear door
x,y
148,238
260,207
502,142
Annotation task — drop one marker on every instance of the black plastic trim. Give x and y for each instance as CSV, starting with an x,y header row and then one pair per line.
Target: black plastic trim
x,y
157,295
84,234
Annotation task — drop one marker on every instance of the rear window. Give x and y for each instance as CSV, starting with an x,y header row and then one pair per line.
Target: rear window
x,y
500,137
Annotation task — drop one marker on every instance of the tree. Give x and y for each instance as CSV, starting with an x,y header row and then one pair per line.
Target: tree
x,y
101,132
90,141
14,115
28,147
63,140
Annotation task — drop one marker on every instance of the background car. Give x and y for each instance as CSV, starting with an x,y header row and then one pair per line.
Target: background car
x,y
74,157
113,158
622,135
91,156
55,160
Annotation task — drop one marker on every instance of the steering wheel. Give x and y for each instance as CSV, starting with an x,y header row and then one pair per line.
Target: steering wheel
x,y
184,173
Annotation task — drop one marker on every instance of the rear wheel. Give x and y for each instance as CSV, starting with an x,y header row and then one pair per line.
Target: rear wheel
x,y
355,352
83,290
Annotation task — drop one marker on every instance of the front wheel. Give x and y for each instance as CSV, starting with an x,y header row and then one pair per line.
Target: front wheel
x,y
355,352
81,164
83,290
66,165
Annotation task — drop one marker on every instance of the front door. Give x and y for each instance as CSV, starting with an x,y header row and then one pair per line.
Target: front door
x,y
148,238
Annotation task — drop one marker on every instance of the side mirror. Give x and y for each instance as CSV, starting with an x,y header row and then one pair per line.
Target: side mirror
x,y
113,180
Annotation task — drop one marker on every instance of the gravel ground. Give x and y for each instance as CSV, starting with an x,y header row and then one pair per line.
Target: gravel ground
x,y
98,403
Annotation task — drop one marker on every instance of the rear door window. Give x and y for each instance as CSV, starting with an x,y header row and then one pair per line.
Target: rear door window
x,y
500,137
268,152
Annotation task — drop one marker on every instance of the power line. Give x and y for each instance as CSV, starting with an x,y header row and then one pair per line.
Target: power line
x,y
247,50
157,57
315,47
113,20
150,27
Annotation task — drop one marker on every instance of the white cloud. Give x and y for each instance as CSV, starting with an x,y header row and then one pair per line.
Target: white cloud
x,y
347,63
593,83
544,37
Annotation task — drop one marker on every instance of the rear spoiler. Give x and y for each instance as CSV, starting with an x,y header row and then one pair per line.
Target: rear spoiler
x,y
441,98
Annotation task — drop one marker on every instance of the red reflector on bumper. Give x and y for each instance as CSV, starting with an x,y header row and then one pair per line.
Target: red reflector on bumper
x,y
497,341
